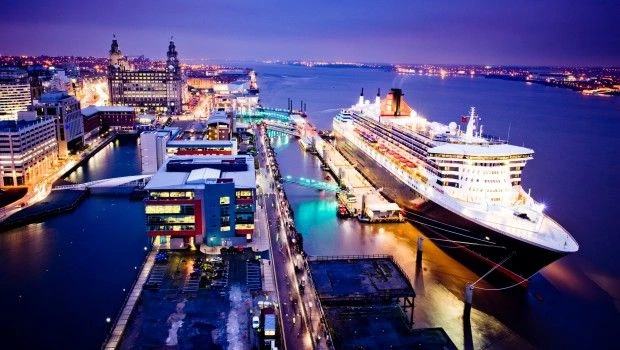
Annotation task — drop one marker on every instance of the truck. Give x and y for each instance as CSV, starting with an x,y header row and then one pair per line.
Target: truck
x,y
270,325
269,328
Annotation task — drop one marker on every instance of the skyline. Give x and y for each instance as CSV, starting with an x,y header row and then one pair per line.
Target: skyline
x,y
549,33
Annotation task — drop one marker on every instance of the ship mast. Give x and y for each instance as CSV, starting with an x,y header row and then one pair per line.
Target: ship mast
x,y
471,124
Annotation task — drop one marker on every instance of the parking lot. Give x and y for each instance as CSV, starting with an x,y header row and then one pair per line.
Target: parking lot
x,y
193,300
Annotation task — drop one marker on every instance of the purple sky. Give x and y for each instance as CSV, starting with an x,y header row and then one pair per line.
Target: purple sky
x,y
525,32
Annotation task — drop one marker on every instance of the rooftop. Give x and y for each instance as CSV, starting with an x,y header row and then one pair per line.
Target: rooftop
x,y
193,172
16,125
92,110
381,327
54,96
344,278
13,75
200,143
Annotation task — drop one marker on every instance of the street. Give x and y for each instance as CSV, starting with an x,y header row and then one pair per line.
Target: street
x,y
301,316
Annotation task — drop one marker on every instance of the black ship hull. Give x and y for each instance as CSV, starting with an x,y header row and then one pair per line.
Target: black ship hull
x,y
479,247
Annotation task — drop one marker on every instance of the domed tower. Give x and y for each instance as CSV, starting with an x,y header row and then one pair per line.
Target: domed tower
x,y
117,60
172,64
115,52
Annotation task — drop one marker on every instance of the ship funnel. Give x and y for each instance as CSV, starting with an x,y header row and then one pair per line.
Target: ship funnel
x,y
361,100
378,98
397,95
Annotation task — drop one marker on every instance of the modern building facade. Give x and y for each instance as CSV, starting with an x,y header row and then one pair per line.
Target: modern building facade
x,y
154,91
157,145
28,149
201,147
15,93
153,150
68,117
201,199
219,126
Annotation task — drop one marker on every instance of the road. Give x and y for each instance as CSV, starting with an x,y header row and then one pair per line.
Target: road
x,y
295,325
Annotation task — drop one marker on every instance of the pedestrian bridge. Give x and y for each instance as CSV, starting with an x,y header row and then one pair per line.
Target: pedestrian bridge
x,y
285,128
312,183
115,184
265,113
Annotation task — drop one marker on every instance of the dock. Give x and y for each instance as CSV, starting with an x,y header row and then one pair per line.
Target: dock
x,y
361,198
56,203
368,303
122,320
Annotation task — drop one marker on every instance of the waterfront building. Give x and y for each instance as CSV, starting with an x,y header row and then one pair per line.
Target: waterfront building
x,y
153,150
156,146
28,148
117,118
201,147
14,92
235,102
219,126
204,138
157,91
68,117
201,199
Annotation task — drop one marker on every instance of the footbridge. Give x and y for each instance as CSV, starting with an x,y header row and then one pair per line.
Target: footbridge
x,y
311,183
278,114
285,128
111,185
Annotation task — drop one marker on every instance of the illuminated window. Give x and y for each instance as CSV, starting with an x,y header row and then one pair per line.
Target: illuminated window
x,y
163,209
224,200
225,228
243,194
244,226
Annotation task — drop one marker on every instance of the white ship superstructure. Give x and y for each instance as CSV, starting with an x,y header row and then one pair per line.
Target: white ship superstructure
x,y
471,175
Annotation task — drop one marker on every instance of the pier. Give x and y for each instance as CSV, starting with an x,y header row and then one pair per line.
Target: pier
x,y
368,303
133,297
56,203
361,198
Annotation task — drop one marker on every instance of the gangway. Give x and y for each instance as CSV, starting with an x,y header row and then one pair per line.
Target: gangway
x,y
311,183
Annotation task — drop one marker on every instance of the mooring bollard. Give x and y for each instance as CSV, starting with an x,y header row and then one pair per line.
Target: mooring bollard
x,y
418,259
469,293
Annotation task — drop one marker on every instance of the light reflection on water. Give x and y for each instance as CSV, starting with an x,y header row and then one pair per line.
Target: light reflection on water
x,y
440,280
63,277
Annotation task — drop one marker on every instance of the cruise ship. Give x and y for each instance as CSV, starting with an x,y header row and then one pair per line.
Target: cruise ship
x,y
465,187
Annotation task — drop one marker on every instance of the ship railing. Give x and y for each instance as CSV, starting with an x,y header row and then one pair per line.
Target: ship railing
x,y
348,257
517,231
